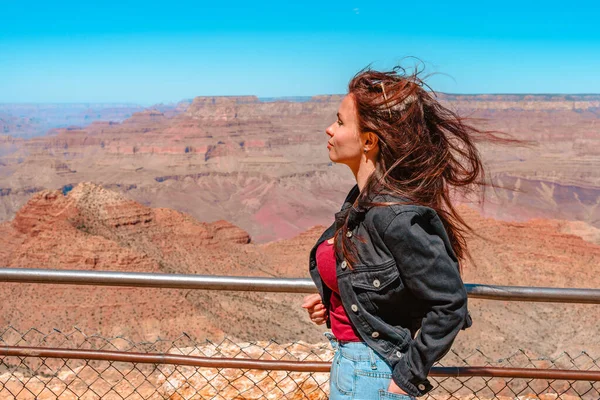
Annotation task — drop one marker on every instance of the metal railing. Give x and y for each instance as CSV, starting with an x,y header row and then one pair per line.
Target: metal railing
x,y
272,365
309,367
260,284
93,366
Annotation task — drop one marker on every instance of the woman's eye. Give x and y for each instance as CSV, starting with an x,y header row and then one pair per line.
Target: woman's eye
x,y
339,122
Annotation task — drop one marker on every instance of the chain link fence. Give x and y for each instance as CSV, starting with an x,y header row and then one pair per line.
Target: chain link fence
x,y
35,377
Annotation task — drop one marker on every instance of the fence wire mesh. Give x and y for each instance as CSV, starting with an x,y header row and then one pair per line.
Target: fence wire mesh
x,y
34,377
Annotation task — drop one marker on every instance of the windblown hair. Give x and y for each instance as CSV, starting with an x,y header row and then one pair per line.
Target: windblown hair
x,y
426,151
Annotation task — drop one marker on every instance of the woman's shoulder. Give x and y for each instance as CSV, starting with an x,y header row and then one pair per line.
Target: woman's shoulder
x,y
393,205
390,212
404,222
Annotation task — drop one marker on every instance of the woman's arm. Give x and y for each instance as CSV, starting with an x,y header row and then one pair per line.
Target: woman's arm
x,y
419,244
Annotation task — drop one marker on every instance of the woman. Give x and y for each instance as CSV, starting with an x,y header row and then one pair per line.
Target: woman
x,y
387,270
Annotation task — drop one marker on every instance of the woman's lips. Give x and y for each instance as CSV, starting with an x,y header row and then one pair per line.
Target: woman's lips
x,y
329,145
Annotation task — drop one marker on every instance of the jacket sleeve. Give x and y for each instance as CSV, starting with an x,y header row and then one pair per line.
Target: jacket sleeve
x,y
429,270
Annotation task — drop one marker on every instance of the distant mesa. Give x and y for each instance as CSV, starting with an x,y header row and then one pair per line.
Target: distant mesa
x,y
327,98
148,114
224,100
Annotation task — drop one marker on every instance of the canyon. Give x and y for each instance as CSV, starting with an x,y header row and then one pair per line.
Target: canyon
x,y
263,165
27,120
244,186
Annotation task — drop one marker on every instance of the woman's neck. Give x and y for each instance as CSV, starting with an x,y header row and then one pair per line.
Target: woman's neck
x,y
363,172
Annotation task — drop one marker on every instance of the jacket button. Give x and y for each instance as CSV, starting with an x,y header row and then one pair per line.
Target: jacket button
x,y
344,264
375,334
376,283
354,307
421,387
349,234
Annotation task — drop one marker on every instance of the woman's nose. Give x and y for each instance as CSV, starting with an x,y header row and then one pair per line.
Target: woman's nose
x,y
328,131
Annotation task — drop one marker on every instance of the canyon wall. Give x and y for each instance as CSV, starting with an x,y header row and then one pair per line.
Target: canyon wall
x,y
263,165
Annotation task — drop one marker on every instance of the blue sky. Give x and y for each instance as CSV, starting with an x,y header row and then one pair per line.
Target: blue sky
x,y
149,52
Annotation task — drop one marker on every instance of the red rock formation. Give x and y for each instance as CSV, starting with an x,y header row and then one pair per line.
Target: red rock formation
x,y
45,209
238,158
94,228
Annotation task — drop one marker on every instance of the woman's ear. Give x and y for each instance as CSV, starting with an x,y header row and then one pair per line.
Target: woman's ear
x,y
371,141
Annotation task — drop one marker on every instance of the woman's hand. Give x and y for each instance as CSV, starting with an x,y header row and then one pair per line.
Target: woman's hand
x,y
393,388
316,309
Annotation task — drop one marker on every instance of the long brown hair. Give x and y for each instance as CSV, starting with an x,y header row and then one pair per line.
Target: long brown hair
x,y
426,150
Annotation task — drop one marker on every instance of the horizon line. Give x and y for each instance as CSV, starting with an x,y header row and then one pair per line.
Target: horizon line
x,y
289,98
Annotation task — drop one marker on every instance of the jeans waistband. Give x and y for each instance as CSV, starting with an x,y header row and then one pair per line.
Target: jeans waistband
x,y
355,351
331,337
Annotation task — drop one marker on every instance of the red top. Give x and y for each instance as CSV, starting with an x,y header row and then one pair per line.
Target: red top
x,y
341,327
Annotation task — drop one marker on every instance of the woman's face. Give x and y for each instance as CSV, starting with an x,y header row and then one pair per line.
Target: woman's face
x,y
344,144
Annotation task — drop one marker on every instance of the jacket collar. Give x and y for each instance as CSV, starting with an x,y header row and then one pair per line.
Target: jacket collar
x,y
351,197
354,212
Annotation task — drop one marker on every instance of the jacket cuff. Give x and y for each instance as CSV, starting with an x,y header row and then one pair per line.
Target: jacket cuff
x,y
404,378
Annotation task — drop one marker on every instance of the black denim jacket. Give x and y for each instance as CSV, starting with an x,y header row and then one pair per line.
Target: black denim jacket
x,y
404,296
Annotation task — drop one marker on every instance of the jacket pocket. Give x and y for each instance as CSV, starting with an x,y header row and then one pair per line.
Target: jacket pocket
x,y
376,278
377,288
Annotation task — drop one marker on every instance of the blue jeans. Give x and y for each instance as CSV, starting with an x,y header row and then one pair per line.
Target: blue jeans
x,y
357,372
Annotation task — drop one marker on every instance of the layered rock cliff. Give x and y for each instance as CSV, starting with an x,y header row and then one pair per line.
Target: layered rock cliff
x,y
240,159
93,228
